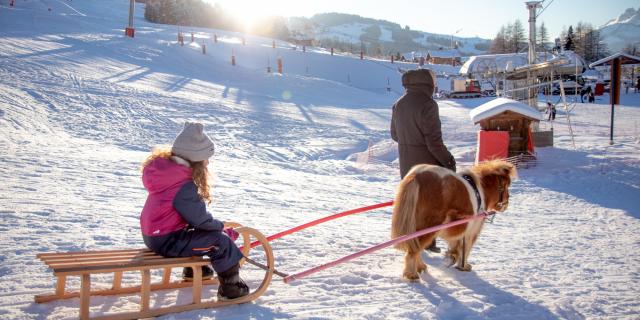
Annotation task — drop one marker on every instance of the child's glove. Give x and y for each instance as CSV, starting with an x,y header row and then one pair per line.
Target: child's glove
x,y
231,233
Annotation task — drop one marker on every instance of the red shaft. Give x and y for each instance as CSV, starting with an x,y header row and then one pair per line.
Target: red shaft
x,y
416,234
321,220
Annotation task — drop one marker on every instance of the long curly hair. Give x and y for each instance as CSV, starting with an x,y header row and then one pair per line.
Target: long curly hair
x,y
199,171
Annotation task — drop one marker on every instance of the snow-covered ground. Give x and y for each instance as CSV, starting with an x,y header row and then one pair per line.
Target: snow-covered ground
x,y
81,106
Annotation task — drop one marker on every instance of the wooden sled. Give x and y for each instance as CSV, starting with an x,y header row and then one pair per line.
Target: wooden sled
x,y
84,264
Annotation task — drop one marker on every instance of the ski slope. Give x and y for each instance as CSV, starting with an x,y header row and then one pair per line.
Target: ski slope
x,y
81,106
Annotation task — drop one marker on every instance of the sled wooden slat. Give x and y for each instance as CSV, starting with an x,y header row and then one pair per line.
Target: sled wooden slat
x,y
112,266
61,259
91,253
122,290
87,263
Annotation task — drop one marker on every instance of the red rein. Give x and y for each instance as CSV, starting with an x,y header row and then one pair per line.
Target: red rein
x,y
321,220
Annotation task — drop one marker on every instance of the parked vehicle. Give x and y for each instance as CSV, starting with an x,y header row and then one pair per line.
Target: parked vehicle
x,y
465,88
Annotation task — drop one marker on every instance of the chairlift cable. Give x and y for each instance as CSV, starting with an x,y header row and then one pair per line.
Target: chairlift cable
x,y
545,8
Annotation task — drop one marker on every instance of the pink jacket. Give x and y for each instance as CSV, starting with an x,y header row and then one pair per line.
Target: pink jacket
x,y
162,178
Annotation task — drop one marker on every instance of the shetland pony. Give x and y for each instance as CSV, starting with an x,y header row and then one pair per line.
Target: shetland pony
x,y
430,195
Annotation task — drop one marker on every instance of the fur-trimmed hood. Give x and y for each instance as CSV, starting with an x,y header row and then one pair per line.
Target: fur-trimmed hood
x,y
162,174
420,80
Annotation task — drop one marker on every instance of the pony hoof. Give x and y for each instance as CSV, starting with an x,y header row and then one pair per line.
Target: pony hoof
x,y
412,277
466,268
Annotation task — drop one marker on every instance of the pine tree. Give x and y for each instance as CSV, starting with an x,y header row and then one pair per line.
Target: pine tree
x,y
568,40
543,37
518,37
499,43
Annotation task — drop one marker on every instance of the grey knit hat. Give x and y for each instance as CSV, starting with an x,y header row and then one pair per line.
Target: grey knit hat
x,y
192,143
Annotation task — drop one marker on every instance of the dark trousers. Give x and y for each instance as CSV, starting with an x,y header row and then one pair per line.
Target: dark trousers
x,y
224,253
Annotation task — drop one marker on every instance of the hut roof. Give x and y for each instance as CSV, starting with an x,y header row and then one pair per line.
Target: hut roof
x,y
500,105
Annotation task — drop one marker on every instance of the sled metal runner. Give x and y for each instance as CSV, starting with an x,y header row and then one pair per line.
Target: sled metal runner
x,y
85,264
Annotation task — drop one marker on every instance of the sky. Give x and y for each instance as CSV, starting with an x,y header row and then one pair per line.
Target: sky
x,y
472,18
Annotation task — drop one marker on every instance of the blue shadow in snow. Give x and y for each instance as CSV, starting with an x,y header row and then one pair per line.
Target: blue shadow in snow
x,y
505,304
604,181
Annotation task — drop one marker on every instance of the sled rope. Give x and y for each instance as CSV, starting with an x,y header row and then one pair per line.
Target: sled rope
x,y
416,234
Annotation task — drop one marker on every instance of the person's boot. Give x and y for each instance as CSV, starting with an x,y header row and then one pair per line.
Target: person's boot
x,y
187,273
434,247
231,285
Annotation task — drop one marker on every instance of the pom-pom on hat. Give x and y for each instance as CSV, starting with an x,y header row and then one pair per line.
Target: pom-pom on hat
x,y
192,143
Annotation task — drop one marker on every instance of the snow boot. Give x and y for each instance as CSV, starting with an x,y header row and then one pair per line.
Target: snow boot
x,y
187,273
231,285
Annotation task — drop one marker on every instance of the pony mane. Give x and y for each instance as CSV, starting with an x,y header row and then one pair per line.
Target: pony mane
x,y
496,167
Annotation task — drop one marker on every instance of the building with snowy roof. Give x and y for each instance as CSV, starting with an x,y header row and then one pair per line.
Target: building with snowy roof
x,y
505,129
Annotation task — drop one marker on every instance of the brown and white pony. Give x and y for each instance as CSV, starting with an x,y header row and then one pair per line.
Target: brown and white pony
x,y
430,195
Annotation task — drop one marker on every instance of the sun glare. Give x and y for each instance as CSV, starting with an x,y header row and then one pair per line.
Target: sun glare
x,y
248,13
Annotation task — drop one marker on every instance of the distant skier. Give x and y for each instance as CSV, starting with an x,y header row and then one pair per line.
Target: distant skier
x,y
175,220
415,125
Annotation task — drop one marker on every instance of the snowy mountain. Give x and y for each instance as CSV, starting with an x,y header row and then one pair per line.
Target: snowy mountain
x,y
378,35
622,31
81,106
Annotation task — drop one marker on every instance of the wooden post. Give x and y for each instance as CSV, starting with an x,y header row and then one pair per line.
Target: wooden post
x,y
85,296
614,90
166,276
129,30
204,48
145,290
192,37
215,38
361,55
117,280
197,284
60,285
280,65
331,51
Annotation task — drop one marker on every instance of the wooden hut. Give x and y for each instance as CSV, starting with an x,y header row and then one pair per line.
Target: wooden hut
x,y
505,129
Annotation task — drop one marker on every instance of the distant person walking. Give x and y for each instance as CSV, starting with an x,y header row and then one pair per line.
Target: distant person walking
x,y
638,85
415,125
584,92
551,110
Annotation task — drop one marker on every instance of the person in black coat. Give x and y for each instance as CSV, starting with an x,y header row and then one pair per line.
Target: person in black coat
x,y
415,125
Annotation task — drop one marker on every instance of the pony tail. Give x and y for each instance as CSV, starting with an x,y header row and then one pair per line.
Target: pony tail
x,y
403,220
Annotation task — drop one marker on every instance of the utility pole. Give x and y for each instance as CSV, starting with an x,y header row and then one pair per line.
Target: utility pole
x,y
129,30
532,95
532,6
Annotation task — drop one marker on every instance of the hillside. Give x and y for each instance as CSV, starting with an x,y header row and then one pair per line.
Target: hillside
x,y
378,36
81,106
622,31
